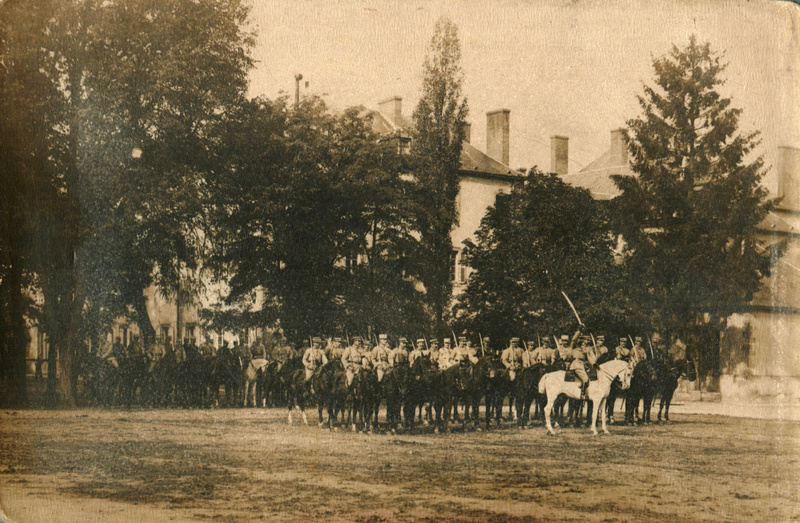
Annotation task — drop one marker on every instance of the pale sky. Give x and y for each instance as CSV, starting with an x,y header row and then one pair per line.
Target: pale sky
x,y
571,68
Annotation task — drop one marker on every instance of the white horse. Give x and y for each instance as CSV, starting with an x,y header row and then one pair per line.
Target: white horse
x,y
553,385
249,377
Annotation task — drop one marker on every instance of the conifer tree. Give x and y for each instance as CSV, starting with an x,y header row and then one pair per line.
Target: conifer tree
x,y
689,215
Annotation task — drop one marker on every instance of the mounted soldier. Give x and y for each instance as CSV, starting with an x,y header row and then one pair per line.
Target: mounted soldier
x,y
399,356
353,358
602,350
444,361
314,358
336,349
465,353
578,364
418,352
258,351
637,352
433,352
380,356
622,352
512,358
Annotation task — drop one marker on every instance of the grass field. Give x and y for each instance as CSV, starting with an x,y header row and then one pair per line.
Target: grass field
x,y
248,464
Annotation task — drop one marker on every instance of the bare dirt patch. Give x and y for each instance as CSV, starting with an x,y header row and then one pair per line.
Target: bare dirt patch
x,y
239,465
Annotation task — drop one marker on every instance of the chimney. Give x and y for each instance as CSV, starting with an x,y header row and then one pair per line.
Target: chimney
x,y
392,108
467,132
559,155
619,148
789,177
497,135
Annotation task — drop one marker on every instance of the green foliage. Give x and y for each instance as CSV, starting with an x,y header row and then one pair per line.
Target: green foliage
x,y
544,238
306,193
439,120
689,216
121,103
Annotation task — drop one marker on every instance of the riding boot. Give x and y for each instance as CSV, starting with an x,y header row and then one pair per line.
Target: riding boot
x,y
584,386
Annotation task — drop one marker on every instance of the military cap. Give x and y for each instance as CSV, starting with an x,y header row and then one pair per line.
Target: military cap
x,y
564,337
638,339
420,340
356,338
383,337
514,340
462,339
622,338
600,337
337,340
316,339
447,341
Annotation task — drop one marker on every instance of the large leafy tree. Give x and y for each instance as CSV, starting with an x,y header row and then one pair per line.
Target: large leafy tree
x,y
689,215
126,100
308,194
542,239
439,120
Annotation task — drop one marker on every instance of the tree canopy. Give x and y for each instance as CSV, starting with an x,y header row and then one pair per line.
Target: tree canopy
x,y
544,238
689,215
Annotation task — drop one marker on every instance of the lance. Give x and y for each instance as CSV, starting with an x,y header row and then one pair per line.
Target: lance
x,y
481,338
571,306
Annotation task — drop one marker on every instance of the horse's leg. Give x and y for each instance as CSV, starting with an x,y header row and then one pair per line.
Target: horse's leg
x,y
667,401
600,409
547,409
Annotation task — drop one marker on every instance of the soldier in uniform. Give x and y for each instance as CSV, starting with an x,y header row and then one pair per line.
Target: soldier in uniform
x,y
433,353
207,349
418,351
637,352
465,352
399,356
444,360
314,358
578,365
337,349
380,356
512,358
602,350
537,355
622,351
352,359
258,351
564,348
548,352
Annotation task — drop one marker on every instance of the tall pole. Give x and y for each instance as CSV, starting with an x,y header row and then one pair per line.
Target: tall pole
x,y
297,79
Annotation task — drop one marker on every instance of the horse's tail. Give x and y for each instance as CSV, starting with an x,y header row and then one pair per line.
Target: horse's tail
x,y
541,384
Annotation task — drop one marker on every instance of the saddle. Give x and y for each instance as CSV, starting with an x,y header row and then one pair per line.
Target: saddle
x,y
570,375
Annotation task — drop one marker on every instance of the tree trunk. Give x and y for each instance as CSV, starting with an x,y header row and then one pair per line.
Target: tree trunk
x,y
143,321
18,344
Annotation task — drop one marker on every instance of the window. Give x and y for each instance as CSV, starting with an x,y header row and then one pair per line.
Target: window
x,y
164,333
453,264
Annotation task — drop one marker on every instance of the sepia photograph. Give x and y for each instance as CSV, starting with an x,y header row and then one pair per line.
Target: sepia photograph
x,y
397,261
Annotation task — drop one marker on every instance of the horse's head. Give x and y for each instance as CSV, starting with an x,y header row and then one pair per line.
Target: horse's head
x,y
624,375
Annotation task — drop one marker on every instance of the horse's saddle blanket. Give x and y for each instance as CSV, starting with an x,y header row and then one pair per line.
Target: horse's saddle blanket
x,y
570,375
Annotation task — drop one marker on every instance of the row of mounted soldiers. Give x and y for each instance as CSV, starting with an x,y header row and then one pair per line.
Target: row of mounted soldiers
x,y
190,375
575,353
